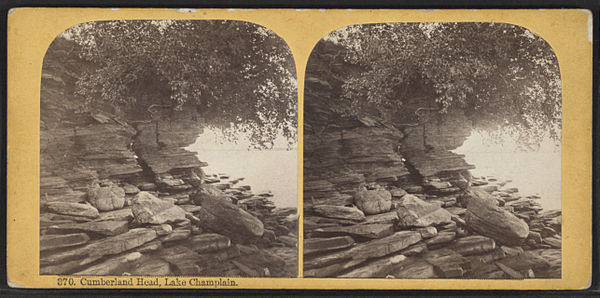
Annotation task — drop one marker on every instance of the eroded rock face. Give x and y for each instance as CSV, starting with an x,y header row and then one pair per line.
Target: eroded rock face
x,y
373,201
223,217
106,198
147,208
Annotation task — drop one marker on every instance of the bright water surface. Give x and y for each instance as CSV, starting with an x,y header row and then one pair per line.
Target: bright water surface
x,y
275,170
532,172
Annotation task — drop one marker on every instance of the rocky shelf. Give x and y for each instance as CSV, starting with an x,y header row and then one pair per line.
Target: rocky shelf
x,y
123,199
486,232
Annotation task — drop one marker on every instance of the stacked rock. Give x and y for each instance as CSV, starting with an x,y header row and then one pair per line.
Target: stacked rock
x,y
434,230
162,217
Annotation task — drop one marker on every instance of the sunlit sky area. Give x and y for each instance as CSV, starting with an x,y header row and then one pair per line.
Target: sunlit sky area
x,y
535,171
275,170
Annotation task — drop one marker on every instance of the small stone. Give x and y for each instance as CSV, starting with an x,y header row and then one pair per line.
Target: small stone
x,y
130,189
164,229
397,192
147,186
427,232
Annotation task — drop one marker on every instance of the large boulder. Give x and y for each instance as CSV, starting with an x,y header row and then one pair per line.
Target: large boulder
x,y
492,221
373,201
223,217
207,191
414,212
106,198
147,208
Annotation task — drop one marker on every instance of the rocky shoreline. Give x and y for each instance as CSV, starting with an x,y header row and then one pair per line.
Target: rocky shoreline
x,y
121,199
485,232
385,195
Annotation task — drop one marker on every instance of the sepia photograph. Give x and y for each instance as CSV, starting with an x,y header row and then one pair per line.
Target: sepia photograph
x,y
432,150
168,147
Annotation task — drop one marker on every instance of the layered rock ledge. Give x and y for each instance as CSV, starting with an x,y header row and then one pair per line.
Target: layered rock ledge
x,y
119,197
386,196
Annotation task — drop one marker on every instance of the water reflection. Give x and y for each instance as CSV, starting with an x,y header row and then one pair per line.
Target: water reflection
x,y
534,171
275,170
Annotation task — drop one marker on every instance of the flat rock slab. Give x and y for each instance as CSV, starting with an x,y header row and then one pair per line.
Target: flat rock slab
x,y
333,269
176,235
372,249
413,268
182,258
119,215
113,266
75,209
372,231
313,245
58,241
553,241
108,228
447,263
473,245
106,246
378,268
387,217
441,237
209,242
339,212
153,267
414,212
259,262
147,208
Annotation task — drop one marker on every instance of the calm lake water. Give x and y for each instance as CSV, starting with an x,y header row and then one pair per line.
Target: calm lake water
x,y
273,170
532,172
